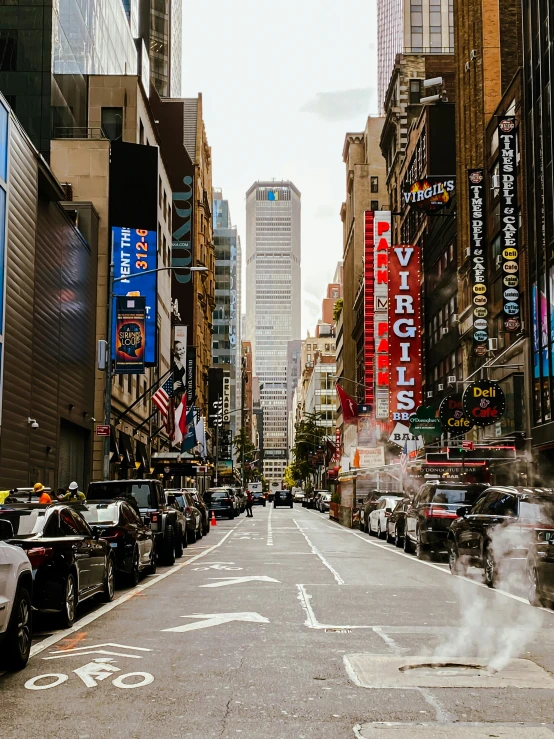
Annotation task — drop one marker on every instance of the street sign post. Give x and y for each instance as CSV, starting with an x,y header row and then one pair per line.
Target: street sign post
x,y
102,429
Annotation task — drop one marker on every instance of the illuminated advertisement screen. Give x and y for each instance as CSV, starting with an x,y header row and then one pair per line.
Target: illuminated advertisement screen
x,y
130,334
134,253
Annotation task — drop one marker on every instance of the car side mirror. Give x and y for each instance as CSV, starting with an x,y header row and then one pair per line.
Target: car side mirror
x,y
550,541
388,510
6,529
463,511
96,532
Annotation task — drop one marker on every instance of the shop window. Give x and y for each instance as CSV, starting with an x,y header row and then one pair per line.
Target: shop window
x,y
374,205
374,184
415,92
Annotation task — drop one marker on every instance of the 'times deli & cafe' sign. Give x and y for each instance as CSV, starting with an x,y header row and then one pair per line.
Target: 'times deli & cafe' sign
x,y
509,222
484,402
479,283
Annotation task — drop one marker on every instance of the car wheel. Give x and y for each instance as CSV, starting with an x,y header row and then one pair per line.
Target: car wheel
x,y
153,566
291,505
185,538
397,538
534,591
491,575
18,635
109,581
133,576
264,505
169,546
390,539
407,544
67,616
457,565
380,534
179,543
421,551
200,534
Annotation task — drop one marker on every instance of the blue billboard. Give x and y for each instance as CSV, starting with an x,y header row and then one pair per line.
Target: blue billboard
x,y
135,252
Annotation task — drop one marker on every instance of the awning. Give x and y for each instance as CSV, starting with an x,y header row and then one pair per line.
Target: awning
x,y
141,456
126,450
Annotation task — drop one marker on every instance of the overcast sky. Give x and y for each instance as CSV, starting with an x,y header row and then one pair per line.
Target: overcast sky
x,y
282,83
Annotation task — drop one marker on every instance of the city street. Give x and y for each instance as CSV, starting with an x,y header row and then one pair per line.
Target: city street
x,y
288,625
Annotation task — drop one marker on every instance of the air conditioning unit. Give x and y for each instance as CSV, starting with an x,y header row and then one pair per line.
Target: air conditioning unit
x,y
444,331
467,66
455,318
498,260
429,394
495,181
473,54
451,379
440,387
493,345
468,251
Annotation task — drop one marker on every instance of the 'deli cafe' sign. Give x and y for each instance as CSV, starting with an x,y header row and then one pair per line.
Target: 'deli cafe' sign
x,y
484,402
452,416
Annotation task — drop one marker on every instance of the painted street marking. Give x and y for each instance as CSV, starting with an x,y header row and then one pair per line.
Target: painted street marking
x,y
216,619
316,551
218,566
78,625
269,530
97,670
96,649
59,678
235,580
91,674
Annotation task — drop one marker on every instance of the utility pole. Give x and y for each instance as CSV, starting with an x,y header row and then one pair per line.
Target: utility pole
x,y
242,423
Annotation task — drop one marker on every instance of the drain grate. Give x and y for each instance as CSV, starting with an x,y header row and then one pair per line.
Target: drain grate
x,y
380,671
339,631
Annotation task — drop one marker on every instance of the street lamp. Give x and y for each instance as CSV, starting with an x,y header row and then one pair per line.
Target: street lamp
x,y
111,296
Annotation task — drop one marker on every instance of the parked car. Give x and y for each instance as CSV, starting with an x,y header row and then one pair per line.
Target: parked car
x,y
368,504
282,498
432,511
220,502
131,541
500,530
70,561
325,503
396,522
194,528
258,498
377,523
181,539
16,592
298,495
202,507
540,569
149,499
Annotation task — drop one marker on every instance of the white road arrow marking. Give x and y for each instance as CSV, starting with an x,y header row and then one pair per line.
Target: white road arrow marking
x,y
215,619
235,580
96,649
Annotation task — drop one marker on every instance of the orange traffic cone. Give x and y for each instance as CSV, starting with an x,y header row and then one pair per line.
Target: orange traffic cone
x,y
213,521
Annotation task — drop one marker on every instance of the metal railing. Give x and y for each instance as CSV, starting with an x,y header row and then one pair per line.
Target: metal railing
x,y
79,132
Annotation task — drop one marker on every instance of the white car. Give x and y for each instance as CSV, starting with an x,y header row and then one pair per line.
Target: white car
x,y
377,525
16,588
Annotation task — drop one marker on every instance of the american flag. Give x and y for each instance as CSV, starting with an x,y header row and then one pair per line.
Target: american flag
x,y
162,396
404,459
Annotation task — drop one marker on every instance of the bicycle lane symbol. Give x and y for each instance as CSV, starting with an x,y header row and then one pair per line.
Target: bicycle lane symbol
x,y
95,671
217,566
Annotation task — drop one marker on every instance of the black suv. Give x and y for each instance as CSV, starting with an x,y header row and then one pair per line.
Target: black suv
x,y
282,498
149,499
499,529
431,513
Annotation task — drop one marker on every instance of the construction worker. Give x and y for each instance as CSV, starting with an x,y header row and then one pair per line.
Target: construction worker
x,y
73,494
40,490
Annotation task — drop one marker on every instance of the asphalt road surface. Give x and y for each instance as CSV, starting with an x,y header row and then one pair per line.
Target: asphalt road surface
x,y
290,626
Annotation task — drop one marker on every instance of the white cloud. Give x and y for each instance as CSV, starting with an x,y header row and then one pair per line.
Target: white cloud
x,y
342,105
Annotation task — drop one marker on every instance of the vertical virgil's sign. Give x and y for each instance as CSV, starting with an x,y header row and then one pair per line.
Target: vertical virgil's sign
x,y
509,217
479,282
182,249
405,391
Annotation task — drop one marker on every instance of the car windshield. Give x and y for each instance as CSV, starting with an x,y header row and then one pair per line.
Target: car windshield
x,y
537,511
101,513
25,523
456,496
140,491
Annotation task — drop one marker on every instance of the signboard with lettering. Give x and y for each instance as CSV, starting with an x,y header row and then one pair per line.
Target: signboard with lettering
x,y
509,222
484,402
452,416
430,194
130,335
367,457
404,331
479,282
381,240
369,305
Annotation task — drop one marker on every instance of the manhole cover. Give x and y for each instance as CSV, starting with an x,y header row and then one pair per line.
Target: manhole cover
x,y
380,671
339,631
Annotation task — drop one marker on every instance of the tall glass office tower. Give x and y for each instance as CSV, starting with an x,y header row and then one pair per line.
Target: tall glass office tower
x,y
273,304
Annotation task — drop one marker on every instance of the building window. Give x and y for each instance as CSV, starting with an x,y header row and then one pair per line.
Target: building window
x,y
415,92
112,123
8,51
374,205
374,184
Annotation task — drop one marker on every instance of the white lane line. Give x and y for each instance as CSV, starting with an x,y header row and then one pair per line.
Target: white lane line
x,y
440,568
316,551
269,529
304,599
55,638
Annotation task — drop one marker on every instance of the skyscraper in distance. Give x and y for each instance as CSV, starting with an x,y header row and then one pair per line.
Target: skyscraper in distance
x,y
411,27
273,304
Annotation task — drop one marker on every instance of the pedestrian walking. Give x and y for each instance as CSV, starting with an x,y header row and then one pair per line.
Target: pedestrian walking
x,y
73,494
249,499
43,496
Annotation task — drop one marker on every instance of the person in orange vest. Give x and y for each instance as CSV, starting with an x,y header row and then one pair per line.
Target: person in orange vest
x,y
40,490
